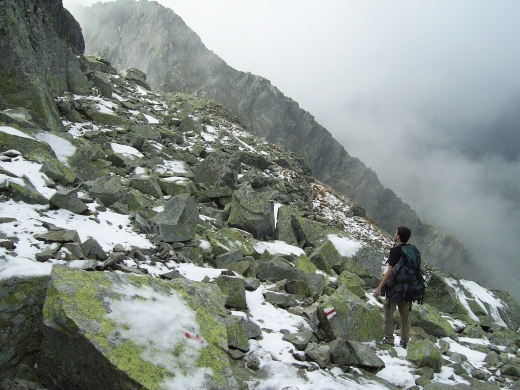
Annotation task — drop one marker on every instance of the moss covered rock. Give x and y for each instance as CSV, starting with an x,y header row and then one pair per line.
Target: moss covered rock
x,y
133,332
11,138
425,354
228,240
442,294
26,193
428,318
344,315
353,282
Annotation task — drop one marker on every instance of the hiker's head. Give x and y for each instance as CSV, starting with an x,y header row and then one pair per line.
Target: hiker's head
x,y
404,234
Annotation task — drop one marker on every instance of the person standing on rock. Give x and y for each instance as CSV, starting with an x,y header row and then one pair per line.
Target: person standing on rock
x,y
402,235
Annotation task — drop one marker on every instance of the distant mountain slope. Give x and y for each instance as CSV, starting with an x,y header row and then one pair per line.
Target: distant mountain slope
x,y
153,38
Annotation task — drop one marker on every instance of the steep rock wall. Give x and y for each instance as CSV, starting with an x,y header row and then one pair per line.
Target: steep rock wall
x,y
39,41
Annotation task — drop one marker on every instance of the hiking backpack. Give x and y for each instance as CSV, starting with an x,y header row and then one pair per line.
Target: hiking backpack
x,y
407,281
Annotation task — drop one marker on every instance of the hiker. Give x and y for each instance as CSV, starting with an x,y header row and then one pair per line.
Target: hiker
x,y
402,235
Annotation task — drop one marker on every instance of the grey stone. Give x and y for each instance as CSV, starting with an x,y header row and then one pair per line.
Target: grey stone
x,y
68,200
234,290
280,299
240,330
320,355
74,251
366,264
364,355
26,193
424,353
103,82
510,370
299,339
480,374
253,212
92,250
58,172
224,259
85,265
277,269
59,235
84,332
21,327
345,315
108,189
340,354
135,75
178,221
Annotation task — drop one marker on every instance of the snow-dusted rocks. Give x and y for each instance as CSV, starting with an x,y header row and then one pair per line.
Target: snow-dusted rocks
x,y
133,332
179,194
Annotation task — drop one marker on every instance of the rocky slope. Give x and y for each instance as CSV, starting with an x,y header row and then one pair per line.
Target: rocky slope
x,y
148,241
154,39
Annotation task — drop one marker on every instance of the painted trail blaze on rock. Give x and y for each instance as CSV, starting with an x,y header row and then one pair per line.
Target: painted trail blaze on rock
x,y
329,312
134,332
195,337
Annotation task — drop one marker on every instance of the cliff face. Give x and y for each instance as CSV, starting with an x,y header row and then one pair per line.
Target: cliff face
x,y
153,38
39,41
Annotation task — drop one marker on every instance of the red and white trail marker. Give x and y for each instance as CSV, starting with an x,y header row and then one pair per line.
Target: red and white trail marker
x,y
329,312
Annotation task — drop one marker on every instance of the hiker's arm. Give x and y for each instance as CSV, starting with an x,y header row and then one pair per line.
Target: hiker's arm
x,y
386,276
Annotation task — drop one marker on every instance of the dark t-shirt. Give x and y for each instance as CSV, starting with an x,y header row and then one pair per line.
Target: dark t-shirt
x,y
395,255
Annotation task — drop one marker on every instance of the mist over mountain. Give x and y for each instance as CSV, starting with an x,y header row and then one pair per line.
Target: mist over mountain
x,y
148,241
174,58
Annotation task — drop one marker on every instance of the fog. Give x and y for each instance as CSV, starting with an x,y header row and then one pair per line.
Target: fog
x,y
427,94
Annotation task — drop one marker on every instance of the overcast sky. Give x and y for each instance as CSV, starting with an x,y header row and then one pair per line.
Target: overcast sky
x,y
425,93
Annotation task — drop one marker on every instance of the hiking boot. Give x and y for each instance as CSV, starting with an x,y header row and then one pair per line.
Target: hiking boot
x,y
403,345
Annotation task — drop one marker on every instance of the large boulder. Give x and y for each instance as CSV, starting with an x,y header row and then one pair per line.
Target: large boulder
x,y
344,315
425,354
108,189
217,170
147,185
68,200
240,330
12,138
364,355
431,321
21,328
253,212
178,221
23,191
353,282
234,290
277,269
228,240
132,332
325,257
366,264
441,293
57,171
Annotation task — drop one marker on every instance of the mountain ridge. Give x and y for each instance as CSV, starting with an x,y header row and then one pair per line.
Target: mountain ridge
x,y
148,241
175,59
